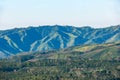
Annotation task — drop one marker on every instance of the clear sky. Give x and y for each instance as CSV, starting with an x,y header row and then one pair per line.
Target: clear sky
x,y
95,13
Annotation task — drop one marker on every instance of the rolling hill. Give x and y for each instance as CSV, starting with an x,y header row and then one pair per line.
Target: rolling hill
x,y
108,51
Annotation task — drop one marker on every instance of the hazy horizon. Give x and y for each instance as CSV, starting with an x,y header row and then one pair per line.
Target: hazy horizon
x,y
78,13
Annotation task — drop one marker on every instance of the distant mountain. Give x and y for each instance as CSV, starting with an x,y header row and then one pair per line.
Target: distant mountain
x,y
44,38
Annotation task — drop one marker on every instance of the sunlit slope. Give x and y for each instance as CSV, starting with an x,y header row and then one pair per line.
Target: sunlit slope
x,y
103,51
97,51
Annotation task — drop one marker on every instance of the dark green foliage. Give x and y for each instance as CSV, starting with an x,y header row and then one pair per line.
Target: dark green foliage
x,y
60,69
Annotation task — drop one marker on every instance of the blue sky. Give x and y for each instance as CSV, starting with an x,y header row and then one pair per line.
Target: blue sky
x,y
95,13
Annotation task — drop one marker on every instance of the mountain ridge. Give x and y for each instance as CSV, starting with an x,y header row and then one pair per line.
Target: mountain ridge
x,y
43,38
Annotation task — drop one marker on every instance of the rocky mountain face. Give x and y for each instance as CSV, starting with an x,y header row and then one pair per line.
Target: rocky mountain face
x,y
43,38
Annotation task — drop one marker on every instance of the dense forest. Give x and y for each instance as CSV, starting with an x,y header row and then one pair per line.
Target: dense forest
x,y
60,69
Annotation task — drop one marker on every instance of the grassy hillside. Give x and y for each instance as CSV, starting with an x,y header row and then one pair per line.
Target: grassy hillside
x,y
96,51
